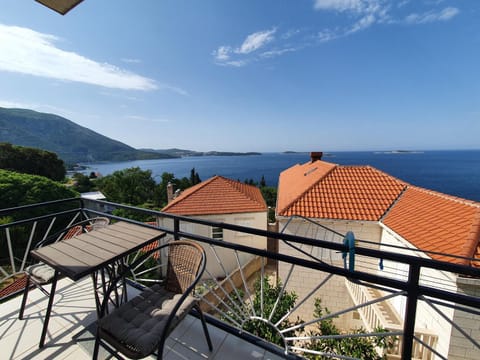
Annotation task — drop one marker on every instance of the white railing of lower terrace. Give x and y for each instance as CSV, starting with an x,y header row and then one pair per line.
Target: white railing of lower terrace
x,y
373,317
307,269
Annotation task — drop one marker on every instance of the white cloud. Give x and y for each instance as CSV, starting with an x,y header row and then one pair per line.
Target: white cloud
x,y
326,35
358,15
276,52
222,53
432,16
291,33
26,51
237,63
365,12
339,5
363,23
256,41
174,89
253,42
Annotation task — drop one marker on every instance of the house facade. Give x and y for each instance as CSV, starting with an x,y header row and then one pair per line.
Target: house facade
x,y
222,200
388,214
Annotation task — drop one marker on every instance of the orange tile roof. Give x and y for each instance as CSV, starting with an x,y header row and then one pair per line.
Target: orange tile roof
x,y
336,192
298,179
429,220
218,195
433,221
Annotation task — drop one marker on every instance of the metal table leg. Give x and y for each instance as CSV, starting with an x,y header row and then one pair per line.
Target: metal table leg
x,y
103,279
49,310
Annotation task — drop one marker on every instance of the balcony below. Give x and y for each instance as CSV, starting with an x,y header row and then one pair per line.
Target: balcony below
x,y
73,317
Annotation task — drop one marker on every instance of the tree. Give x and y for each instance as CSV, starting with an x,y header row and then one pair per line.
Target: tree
x,y
160,197
31,161
131,186
194,177
250,182
82,183
358,347
364,347
270,195
270,295
17,189
22,189
263,183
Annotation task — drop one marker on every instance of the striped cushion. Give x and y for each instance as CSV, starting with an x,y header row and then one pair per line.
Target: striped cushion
x,y
41,273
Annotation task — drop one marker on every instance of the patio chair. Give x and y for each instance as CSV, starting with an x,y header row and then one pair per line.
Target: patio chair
x,y
140,326
41,274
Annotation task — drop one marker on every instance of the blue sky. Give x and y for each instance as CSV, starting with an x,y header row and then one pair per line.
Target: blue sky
x,y
251,75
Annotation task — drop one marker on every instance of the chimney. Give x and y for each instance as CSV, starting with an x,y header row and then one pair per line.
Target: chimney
x,y
169,192
316,155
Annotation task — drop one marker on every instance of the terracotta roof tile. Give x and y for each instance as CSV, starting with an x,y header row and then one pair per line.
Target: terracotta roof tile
x,y
298,179
432,221
429,220
337,192
218,195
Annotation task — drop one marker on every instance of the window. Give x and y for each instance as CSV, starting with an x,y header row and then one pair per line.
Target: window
x,y
217,233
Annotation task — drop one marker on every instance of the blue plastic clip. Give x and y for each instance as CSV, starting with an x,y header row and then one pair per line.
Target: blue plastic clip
x,y
349,240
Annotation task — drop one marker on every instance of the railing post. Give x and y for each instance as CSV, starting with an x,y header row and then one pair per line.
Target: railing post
x,y
410,311
176,228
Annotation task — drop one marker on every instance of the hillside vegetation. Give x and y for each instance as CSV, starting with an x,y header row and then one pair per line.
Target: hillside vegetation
x,y
31,161
73,143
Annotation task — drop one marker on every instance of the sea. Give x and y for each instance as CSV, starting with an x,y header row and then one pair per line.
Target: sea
x,y
454,172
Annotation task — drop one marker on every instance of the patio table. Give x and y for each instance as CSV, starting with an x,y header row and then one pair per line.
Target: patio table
x,y
94,253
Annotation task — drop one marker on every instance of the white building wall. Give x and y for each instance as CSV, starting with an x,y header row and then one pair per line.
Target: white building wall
x,y
334,294
427,317
222,261
460,347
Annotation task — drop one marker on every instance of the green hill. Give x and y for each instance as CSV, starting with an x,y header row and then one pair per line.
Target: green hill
x,y
73,143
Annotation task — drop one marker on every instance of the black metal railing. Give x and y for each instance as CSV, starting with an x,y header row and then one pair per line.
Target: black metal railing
x,y
236,273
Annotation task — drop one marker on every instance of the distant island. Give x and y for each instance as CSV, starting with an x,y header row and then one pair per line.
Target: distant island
x,y
186,153
399,152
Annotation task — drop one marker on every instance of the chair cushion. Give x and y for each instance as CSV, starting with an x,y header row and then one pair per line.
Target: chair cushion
x,y
41,273
140,323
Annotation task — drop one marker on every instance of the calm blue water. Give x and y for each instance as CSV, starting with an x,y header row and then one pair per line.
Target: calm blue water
x,y
451,172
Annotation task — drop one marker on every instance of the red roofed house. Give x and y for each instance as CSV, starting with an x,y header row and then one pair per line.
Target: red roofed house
x,y
223,200
385,211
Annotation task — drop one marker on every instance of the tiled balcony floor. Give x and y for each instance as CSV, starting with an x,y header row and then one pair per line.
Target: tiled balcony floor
x,y
74,310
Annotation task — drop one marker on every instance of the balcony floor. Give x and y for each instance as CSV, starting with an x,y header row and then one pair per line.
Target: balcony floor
x,y
74,310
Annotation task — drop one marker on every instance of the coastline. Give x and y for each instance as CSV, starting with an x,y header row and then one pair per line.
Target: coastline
x,y
453,172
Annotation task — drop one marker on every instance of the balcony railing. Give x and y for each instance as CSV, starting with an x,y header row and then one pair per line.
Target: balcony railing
x,y
380,313
246,288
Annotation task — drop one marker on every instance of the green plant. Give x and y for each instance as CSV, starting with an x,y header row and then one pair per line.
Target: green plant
x,y
362,347
260,327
